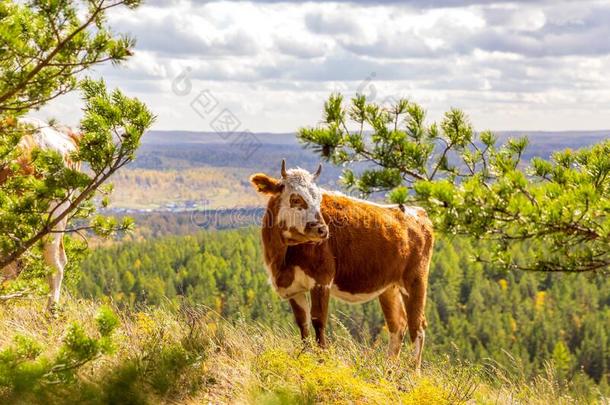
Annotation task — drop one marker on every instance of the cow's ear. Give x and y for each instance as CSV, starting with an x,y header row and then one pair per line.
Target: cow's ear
x,y
265,184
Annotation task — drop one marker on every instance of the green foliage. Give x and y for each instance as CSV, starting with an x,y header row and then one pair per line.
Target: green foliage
x,y
45,44
562,360
472,186
156,356
24,369
106,321
475,312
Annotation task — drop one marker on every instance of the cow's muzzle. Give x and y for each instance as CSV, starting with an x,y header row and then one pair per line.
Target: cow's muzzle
x,y
316,230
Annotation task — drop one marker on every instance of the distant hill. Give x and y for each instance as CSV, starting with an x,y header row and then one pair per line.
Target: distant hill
x,y
263,151
552,138
176,169
543,143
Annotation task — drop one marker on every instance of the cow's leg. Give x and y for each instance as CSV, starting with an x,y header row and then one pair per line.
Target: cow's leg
x,y
415,304
301,309
320,295
395,317
63,259
54,256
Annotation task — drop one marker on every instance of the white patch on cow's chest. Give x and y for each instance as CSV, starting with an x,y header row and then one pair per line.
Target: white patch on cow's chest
x,y
357,298
300,284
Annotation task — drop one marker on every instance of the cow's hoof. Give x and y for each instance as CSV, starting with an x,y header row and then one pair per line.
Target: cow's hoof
x,y
306,346
53,310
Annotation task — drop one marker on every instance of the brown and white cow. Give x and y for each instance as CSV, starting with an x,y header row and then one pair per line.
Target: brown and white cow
x,y
329,244
64,141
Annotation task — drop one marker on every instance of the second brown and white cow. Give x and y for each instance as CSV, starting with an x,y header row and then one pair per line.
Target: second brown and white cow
x,y
64,141
329,244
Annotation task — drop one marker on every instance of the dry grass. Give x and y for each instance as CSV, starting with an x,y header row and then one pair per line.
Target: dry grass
x,y
188,355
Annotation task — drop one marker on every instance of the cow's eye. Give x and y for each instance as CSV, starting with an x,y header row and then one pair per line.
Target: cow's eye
x,y
296,201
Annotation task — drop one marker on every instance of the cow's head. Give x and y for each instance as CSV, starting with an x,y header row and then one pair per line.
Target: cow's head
x,y
298,204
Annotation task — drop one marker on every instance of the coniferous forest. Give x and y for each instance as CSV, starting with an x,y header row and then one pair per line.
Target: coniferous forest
x,y
522,321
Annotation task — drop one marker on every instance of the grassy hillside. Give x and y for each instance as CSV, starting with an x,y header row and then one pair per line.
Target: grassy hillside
x,y
189,355
476,313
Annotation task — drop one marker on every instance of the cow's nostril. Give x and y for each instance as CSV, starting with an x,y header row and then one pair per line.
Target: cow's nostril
x,y
323,231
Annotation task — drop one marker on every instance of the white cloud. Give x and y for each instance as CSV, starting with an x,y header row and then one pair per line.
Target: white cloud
x,y
534,64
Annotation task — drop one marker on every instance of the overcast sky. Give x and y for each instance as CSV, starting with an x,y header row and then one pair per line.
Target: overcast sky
x,y
537,65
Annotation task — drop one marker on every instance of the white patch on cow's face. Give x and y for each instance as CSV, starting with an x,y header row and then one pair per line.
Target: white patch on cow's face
x,y
300,201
